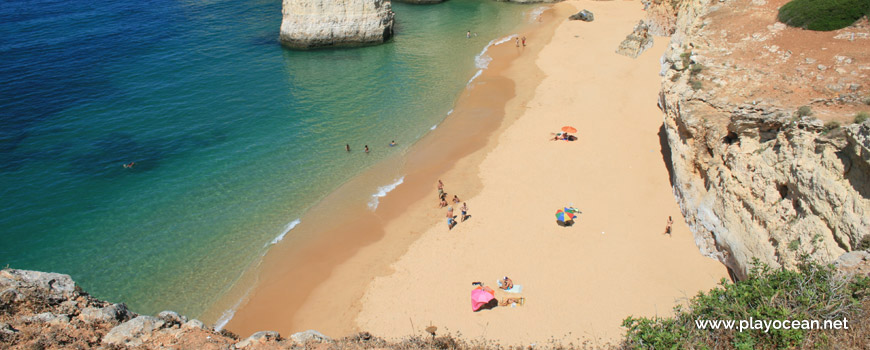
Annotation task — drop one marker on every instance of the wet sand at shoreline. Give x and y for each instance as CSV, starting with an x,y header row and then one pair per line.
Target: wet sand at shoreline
x,y
315,279
494,152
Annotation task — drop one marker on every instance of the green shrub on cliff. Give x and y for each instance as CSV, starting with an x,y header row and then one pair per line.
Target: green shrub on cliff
x,y
860,117
804,111
813,292
823,15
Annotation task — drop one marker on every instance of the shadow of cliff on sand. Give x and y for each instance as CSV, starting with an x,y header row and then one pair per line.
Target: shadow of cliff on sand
x,y
666,152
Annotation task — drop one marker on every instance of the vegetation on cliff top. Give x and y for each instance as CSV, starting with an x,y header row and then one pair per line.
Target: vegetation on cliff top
x,y
813,292
823,15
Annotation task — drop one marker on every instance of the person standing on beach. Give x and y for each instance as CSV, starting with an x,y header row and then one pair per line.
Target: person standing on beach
x,y
347,147
518,41
668,226
464,210
440,189
524,41
450,211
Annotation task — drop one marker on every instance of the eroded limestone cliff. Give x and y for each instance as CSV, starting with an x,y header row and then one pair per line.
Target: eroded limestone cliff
x,y
327,23
755,175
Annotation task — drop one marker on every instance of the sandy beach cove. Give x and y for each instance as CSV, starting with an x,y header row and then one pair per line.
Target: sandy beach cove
x,y
398,269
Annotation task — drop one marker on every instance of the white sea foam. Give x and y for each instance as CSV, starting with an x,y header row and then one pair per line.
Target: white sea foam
x,y
287,228
382,192
479,72
228,315
535,13
505,39
225,318
433,127
450,111
481,61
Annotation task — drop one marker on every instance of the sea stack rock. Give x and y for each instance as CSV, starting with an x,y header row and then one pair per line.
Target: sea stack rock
x,y
324,23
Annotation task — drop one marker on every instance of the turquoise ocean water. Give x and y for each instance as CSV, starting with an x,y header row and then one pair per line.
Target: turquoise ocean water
x,y
233,136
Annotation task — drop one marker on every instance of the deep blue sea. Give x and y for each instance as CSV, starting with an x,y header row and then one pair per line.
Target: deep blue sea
x,y
233,137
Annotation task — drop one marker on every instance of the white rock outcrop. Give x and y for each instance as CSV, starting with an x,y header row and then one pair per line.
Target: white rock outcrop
x,y
325,23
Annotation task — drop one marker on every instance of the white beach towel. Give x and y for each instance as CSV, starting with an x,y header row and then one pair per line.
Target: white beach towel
x,y
515,289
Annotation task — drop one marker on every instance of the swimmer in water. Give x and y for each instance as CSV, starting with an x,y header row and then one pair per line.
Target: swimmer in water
x,y
129,165
393,143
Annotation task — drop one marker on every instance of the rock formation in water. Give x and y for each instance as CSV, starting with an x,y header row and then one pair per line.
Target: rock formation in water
x,y
329,23
756,176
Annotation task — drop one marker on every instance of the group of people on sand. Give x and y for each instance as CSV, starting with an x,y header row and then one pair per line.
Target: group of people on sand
x,y
523,41
505,284
366,149
442,197
564,136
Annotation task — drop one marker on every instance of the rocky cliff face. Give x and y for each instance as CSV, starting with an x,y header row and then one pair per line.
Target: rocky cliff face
x,y
325,23
637,42
754,177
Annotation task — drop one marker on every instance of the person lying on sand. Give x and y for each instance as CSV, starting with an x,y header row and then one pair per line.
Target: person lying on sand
x,y
508,301
508,283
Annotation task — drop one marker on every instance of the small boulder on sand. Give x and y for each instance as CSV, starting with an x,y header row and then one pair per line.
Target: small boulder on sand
x,y
584,15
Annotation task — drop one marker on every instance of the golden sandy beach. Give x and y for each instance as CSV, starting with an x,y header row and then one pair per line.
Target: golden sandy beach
x,y
580,282
396,270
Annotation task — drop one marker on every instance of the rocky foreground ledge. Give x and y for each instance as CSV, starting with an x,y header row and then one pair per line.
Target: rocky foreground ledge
x,y
40,310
